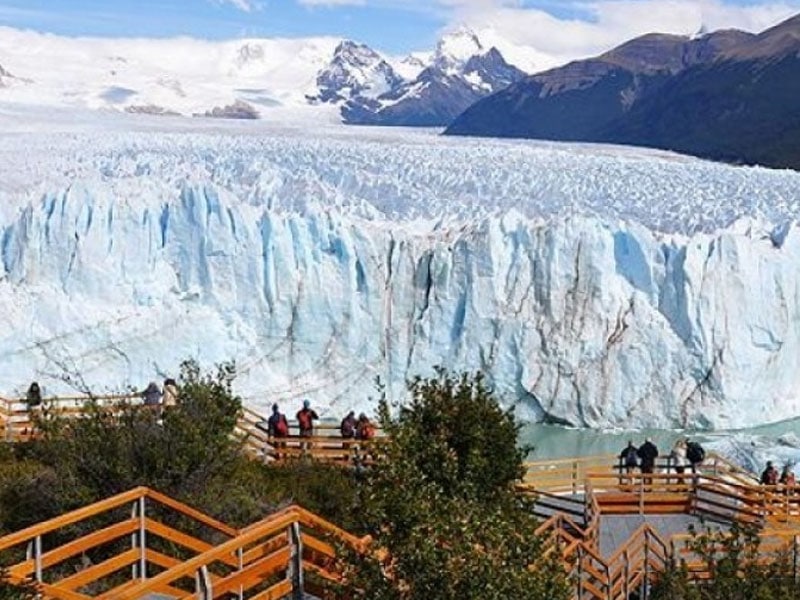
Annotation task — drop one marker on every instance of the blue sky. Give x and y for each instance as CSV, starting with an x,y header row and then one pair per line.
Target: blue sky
x,y
394,26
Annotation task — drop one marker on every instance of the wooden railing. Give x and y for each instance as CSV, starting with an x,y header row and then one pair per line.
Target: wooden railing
x,y
17,424
142,551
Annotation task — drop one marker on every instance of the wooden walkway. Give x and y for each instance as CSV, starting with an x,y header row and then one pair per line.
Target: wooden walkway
x,y
614,531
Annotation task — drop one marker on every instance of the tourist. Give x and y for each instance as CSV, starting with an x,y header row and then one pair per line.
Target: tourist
x,y
305,419
628,458
33,397
647,453
170,393
770,475
348,426
695,453
365,430
277,425
788,479
678,456
152,395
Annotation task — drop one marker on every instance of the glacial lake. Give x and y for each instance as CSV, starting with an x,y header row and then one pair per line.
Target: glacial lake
x,y
552,441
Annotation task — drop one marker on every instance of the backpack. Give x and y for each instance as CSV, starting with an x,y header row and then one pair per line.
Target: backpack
x,y
281,427
629,456
304,419
695,452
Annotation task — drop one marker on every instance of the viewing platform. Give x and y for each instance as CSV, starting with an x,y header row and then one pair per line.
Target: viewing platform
x,y
615,532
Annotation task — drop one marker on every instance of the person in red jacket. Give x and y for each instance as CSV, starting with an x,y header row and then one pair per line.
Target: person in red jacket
x,y
305,419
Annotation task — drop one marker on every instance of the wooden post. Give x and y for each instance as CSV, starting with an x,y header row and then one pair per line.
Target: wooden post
x,y
134,540
202,581
580,572
794,558
574,477
37,557
142,539
627,573
641,495
296,561
240,557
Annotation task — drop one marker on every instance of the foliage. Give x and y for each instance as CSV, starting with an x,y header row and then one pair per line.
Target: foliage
x,y
736,570
188,453
441,507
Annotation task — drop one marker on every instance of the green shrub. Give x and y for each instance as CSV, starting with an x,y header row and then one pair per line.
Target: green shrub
x,y
440,504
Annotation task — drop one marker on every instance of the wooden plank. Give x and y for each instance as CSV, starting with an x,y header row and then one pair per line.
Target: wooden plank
x,y
81,514
312,543
255,572
268,527
265,548
184,539
78,546
191,512
99,570
280,590
57,593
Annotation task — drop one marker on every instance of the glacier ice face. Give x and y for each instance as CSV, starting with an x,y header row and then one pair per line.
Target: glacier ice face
x,y
595,286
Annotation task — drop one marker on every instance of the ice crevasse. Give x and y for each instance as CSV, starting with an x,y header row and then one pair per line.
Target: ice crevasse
x,y
583,320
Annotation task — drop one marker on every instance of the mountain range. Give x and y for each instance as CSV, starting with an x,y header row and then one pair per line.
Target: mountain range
x,y
727,95
328,78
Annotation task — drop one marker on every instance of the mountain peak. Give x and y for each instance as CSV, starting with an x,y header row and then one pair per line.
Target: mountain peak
x,y
458,46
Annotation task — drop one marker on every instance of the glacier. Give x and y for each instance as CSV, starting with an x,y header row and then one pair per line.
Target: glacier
x,y
594,285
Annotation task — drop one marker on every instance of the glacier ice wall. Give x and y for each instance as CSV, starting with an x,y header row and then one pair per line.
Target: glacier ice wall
x,y
579,318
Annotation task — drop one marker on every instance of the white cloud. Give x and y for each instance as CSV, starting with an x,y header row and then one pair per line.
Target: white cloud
x,y
604,24
244,5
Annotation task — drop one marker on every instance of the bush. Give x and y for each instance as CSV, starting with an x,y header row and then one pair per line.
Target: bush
x,y
737,570
441,507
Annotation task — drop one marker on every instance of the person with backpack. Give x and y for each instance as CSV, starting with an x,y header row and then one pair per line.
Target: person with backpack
x,y
277,425
277,428
695,453
170,398
305,419
628,461
348,426
365,429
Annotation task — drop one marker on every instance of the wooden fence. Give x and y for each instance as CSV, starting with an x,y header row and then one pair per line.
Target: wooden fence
x,y
144,552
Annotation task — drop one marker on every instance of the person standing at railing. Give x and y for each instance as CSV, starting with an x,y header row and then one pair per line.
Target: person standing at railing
x,y
305,421
647,453
152,395
277,429
628,461
678,457
788,479
695,453
770,475
170,393
348,426
365,429
33,397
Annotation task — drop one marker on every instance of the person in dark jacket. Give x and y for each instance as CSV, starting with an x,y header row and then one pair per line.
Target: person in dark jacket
x,y
277,425
34,395
647,453
348,426
628,461
152,395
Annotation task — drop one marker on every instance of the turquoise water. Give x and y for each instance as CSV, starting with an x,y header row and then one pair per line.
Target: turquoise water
x,y
552,441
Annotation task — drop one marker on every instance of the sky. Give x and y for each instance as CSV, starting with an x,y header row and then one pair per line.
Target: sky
x,y
561,29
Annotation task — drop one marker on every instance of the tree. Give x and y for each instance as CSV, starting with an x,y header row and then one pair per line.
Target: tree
x,y
441,507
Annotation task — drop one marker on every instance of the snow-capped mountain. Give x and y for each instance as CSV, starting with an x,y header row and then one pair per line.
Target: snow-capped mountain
x,y
460,72
166,76
356,70
317,78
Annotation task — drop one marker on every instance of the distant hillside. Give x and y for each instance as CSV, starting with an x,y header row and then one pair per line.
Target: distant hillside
x,y
727,95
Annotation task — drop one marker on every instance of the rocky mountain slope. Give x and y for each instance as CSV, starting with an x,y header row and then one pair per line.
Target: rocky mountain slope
x,y
727,95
